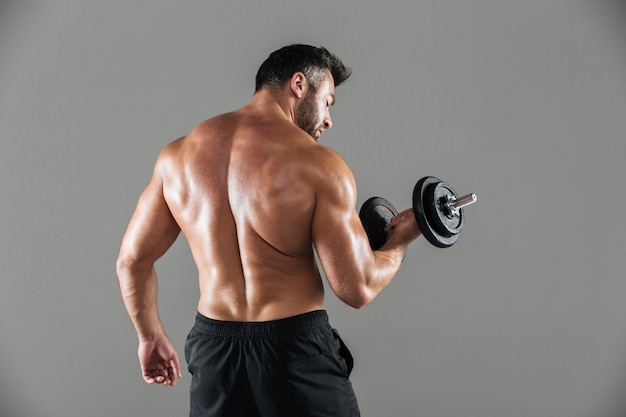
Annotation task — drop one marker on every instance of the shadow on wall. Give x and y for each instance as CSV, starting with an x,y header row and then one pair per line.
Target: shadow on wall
x,y
7,8
615,13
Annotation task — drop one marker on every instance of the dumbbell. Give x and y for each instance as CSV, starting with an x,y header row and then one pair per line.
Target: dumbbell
x,y
438,211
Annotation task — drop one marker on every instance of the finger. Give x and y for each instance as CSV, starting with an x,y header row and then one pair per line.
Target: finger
x,y
166,378
149,379
176,366
173,369
172,375
147,376
155,376
161,376
399,217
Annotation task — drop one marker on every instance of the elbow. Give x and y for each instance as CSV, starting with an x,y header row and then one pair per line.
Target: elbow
x,y
358,304
127,266
132,260
128,276
123,264
358,299
123,269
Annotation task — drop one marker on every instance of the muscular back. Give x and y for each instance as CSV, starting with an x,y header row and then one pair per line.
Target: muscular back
x,y
242,188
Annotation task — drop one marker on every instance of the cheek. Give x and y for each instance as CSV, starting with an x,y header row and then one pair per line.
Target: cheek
x,y
322,112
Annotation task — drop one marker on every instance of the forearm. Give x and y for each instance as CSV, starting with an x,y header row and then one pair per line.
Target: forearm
x,y
139,289
380,273
356,273
389,257
382,265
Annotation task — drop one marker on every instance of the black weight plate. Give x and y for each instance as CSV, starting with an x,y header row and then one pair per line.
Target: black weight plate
x,y
375,215
425,212
448,223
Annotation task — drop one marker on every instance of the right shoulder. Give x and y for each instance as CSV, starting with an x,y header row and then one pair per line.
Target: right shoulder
x,y
333,178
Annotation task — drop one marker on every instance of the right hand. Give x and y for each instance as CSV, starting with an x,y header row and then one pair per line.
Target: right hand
x,y
404,228
159,361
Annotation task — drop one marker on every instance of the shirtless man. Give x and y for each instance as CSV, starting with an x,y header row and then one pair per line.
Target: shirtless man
x,y
255,194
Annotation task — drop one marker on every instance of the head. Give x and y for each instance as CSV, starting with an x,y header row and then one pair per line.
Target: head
x,y
315,67
313,62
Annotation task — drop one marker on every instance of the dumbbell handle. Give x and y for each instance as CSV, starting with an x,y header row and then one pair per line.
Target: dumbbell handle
x,y
452,206
459,203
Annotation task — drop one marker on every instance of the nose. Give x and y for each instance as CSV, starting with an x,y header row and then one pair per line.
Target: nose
x,y
328,123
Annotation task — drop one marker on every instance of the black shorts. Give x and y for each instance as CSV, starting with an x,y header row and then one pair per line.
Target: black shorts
x,y
297,366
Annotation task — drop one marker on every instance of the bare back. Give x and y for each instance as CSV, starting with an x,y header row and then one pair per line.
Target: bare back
x,y
242,189
254,195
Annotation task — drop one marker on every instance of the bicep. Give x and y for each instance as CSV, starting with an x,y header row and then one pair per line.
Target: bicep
x,y
339,238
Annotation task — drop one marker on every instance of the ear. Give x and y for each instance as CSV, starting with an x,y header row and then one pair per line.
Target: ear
x,y
299,84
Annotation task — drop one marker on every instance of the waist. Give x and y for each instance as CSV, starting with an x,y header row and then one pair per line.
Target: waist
x,y
280,327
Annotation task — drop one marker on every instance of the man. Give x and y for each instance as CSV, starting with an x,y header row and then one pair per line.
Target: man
x,y
254,194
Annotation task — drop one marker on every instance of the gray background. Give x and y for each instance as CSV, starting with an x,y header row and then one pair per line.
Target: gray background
x,y
522,102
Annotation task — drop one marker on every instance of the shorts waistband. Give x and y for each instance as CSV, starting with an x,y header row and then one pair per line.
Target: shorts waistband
x,y
286,326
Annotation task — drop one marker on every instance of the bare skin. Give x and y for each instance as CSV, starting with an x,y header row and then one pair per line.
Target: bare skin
x,y
254,195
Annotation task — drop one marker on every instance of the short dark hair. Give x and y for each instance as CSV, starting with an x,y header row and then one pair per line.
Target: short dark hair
x,y
312,61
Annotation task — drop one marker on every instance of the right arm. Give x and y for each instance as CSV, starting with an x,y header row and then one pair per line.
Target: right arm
x,y
151,231
356,273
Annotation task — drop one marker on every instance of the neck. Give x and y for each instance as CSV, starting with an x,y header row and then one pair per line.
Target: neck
x,y
267,101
